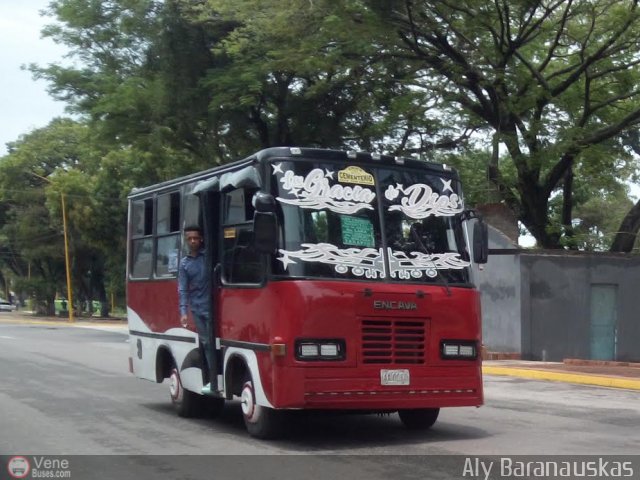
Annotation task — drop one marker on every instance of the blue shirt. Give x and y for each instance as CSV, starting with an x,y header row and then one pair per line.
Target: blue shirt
x,y
193,285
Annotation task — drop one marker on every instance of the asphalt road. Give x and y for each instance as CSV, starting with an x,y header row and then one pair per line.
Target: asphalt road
x,y
66,391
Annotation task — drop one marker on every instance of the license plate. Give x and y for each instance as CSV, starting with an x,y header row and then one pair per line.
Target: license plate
x,y
394,377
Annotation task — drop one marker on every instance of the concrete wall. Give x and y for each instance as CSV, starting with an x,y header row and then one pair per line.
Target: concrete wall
x,y
538,303
499,284
556,303
555,313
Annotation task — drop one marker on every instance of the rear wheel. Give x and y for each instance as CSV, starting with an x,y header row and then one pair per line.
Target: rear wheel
x,y
261,422
419,418
186,403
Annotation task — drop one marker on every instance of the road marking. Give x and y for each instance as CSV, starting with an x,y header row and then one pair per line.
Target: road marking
x,y
7,338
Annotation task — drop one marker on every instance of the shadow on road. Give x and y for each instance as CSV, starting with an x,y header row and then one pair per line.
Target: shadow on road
x,y
309,431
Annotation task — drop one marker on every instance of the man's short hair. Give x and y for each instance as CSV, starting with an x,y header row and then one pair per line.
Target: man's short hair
x,y
194,228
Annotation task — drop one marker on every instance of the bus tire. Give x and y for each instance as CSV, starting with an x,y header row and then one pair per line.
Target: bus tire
x,y
186,403
261,422
419,418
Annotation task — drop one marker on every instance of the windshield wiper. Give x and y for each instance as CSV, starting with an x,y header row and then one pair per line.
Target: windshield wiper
x,y
416,235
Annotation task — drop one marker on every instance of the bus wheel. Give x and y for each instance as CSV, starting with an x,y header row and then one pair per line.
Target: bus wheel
x,y
419,418
186,403
261,422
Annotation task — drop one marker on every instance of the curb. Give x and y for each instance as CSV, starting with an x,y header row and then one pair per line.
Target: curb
x,y
596,380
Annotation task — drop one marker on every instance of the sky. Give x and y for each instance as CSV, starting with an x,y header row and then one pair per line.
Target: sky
x,y
24,103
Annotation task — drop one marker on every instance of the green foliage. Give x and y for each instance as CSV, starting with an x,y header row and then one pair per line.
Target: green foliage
x,y
42,168
555,81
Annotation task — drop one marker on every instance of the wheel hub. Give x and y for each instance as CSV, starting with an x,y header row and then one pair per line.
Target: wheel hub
x,y
248,403
175,388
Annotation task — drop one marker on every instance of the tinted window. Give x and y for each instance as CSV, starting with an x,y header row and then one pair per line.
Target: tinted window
x,y
168,217
333,216
240,262
330,223
142,242
422,227
167,255
141,258
141,217
167,234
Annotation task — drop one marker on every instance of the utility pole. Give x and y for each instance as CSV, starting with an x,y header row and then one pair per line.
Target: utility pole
x,y
66,248
66,256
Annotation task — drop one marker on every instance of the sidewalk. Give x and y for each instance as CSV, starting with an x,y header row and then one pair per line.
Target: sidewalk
x,y
585,372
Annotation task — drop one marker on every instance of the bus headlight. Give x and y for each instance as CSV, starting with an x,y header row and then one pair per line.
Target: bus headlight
x,y
308,350
458,349
324,349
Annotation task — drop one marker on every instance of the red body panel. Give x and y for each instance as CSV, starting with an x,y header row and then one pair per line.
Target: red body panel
x,y
286,310
156,302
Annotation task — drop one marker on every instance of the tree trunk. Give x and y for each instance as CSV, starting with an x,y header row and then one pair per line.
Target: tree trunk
x,y
492,170
567,208
98,289
534,215
628,231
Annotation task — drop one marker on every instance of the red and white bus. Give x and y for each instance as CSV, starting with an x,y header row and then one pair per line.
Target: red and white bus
x,y
340,280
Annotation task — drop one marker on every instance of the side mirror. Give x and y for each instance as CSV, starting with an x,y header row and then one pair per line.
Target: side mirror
x,y
264,202
265,232
480,241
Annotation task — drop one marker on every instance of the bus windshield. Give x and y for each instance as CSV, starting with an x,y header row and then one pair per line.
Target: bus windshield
x,y
374,223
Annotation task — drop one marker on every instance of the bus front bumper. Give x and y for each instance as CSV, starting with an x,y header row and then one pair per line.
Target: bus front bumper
x,y
320,389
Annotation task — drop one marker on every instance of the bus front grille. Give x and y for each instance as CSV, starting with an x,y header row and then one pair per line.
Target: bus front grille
x,y
393,341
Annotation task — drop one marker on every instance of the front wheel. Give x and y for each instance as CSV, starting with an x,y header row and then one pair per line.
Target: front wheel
x,y
419,418
261,422
186,403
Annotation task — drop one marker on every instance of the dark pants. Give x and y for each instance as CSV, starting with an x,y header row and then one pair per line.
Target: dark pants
x,y
203,326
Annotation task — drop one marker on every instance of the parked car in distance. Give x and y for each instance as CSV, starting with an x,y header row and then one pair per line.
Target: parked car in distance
x,y
6,306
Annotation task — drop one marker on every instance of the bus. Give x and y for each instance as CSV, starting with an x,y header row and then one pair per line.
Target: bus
x,y
340,280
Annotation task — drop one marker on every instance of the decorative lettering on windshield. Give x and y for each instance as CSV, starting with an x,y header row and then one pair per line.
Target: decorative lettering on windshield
x,y
401,266
368,262
361,262
313,191
419,201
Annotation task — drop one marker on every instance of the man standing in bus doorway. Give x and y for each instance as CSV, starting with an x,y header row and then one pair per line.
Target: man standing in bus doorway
x,y
194,292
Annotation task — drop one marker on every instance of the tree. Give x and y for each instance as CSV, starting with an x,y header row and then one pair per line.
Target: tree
x,y
212,82
40,167
315,74
137,77
184,85
554,81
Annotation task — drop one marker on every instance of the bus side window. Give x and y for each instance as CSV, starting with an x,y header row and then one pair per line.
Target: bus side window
x,y
141,238
240,262
167,234
192,214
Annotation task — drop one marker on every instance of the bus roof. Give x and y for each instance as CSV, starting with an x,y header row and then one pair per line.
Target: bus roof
x,y
266,155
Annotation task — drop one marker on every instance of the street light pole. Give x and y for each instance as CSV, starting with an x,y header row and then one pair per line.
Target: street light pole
x,y
66,248
66,257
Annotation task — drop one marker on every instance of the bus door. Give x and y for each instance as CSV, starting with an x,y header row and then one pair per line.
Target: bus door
x,y
210,207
